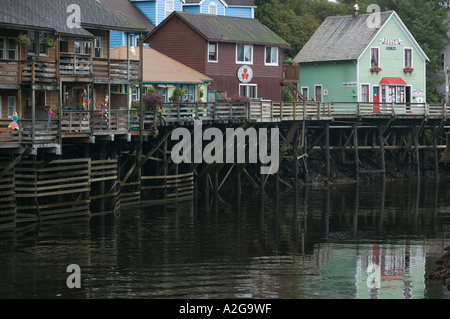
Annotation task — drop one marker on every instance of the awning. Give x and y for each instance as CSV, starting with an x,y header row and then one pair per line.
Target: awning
x,y
393,80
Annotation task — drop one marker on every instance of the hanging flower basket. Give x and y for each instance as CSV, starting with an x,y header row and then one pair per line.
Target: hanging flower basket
x,y
375,69
48,43
408,70
23,40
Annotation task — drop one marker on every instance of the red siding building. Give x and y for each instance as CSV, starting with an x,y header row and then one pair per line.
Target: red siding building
x,y
241,55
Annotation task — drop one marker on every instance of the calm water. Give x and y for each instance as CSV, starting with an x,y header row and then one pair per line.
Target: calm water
x,y
319,244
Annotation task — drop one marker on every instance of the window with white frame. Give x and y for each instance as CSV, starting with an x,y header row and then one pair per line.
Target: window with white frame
x,y
212,51
134,93
407,63
305,92
13,49
374,58
212,8
248,90
244,53
11,105
43,50
318,93
170,7
271,56
365,93
2,47
82,47
98,47
163,92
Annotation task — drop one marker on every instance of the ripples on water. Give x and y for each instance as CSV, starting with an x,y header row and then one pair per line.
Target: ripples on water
x,y
319,244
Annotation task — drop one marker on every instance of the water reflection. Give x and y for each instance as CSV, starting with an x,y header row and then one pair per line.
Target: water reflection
x,y
347,241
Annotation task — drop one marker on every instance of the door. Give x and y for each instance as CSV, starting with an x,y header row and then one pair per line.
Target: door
x,y
376,99
408,99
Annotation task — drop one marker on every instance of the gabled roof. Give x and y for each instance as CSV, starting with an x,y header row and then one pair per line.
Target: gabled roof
x,y
226,29
128,9
53,15
343,38
159,68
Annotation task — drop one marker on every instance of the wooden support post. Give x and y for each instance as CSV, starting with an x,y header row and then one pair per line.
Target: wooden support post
x,y
327,149
355,145
296,160
383,162
238,188
435,151
417,153
206,190
216,191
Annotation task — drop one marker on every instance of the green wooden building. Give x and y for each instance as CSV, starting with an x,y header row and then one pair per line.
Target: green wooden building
x,y
366,58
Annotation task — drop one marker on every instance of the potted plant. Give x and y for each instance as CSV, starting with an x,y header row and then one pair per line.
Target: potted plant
x,y
375,69
408,69
48,43
177,94
22,39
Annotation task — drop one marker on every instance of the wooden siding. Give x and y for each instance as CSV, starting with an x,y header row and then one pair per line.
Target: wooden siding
x,y
181,43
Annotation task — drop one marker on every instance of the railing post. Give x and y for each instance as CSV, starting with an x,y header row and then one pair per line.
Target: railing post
x,y
295,110
178,112
393,109
318,110
261,109
304,109
358,109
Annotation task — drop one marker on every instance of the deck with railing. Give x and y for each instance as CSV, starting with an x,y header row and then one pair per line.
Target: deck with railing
x,y
80,122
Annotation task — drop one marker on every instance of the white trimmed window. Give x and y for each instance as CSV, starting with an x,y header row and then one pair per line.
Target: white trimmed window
x,y
98,47
212,52
318,93
248,90
244,53
170,7
271,56
212,8
374,58
407,60
11,105
13,49
365,93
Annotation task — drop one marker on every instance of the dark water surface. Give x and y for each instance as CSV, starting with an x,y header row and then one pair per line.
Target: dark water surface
x,y
323,243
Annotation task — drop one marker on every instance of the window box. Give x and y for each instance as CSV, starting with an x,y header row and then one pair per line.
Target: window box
x,y
408,70
375,69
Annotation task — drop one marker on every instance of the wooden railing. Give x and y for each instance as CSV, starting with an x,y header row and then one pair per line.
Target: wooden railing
x,y
291,72
9,71
38,72
122,70
8,136
76,121
75,65
116,121
44,132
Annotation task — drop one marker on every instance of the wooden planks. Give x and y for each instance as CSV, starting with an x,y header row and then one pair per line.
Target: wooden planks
x,y
52,190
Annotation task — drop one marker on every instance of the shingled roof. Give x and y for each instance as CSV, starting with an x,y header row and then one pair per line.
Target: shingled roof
x,y
227,29
343,38
130,10
53,15
159,68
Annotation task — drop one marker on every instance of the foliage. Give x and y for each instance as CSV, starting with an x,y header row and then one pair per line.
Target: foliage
x,y
48,43
177,93
238,98
22,39
297,20
152,100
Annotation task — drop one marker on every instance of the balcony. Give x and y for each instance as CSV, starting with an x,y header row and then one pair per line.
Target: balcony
x,y
291,73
